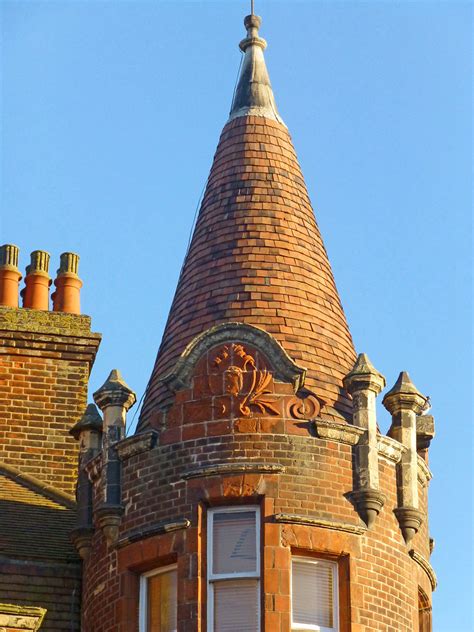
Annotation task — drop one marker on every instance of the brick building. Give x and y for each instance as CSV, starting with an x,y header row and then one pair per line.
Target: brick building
x,y
257,492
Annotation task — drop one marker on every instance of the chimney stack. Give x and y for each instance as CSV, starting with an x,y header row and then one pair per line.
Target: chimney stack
x,y
66,297
10,276
37,281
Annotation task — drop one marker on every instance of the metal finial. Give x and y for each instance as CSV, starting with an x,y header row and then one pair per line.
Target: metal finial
x,y
252,7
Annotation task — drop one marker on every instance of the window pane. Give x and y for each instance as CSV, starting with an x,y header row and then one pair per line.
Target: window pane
x,y
236,606
234,544
162,602
312,593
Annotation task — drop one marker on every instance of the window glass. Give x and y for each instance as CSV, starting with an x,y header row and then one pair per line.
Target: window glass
x,y
159,603
424,612
236,606
233,570
234,542
314,594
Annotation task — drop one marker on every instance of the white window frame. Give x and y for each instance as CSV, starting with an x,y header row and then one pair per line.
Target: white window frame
x,y
143,595
214,577
335,592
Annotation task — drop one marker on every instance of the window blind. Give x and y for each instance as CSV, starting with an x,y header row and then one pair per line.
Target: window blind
x,y
234,542
236,606
313,593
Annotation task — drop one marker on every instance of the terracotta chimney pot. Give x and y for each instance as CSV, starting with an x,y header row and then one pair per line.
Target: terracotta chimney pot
x,y
37,281
66,298
10,276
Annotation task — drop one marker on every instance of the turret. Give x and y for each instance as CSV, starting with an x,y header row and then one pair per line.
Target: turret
x,y
404,402
114,398
258,492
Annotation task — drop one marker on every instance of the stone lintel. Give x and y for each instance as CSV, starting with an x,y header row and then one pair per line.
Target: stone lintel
x,y
426,566
314,521
158,529
136,444
335,431
222,469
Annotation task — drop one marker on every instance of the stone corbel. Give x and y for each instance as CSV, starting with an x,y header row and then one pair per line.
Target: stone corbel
x,y
81,537
109,517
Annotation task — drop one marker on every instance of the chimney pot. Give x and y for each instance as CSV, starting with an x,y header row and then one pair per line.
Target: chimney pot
x,y
66,298
9,275
37,281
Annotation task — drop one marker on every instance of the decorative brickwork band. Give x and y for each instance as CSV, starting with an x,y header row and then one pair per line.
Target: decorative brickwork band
x,y
66,298
37,281
9,275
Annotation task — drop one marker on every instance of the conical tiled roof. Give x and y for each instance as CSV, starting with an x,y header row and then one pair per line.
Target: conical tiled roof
x,y
256,255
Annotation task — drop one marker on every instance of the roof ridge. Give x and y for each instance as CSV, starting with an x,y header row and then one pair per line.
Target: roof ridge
x,y
38,486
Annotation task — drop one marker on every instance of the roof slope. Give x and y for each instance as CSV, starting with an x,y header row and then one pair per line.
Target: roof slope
x,y
33,526
256,255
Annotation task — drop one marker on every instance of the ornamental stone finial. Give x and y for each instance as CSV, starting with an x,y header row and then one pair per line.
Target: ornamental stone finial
x,y
254,95
364,376
90,421
404,396
252,23
115,392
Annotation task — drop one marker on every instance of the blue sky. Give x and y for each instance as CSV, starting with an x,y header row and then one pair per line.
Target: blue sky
x,y
111,114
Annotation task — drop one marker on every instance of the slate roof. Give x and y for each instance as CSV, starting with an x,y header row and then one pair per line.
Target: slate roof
x,y
33,524
257,255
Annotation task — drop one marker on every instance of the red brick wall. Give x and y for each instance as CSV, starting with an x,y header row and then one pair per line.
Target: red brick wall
x,y
45,360
312,478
